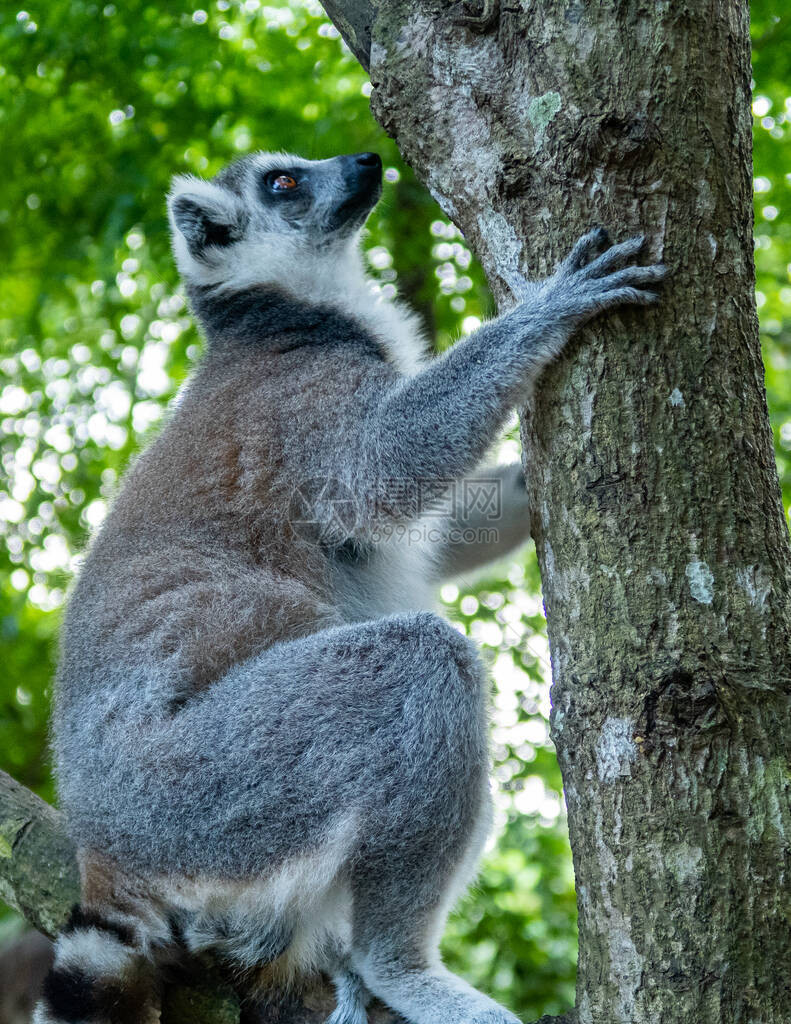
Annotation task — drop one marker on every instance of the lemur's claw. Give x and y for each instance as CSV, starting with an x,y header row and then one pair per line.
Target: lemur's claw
x,y
602,235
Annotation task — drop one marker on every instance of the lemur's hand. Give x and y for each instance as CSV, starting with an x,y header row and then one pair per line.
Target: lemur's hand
x,y
598,276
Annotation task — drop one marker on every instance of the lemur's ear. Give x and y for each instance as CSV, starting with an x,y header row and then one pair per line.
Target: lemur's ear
x,y
204,214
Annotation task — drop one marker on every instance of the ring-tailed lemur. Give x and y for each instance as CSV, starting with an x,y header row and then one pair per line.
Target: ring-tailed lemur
x,y
264,748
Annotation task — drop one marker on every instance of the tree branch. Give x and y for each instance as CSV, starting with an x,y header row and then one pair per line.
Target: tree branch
x,y
353,19
38,870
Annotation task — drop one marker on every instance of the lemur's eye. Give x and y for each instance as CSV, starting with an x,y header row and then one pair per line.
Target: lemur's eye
x,y
281,182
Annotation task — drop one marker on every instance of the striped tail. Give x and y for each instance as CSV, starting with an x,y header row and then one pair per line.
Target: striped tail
x,y
101,974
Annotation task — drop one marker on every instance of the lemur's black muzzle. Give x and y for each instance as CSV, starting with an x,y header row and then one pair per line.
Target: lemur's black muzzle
x,y
365,168
362,174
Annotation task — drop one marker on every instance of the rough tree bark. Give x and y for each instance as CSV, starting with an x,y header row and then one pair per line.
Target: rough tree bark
x,y
657,515
661,536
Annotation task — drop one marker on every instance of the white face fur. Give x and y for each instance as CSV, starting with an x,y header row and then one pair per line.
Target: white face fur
x,y
262,218
279,220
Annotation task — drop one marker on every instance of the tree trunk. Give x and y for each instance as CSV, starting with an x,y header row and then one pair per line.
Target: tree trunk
x,y
657,515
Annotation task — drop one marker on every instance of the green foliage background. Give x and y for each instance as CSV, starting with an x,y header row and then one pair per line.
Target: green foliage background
x,y
99,106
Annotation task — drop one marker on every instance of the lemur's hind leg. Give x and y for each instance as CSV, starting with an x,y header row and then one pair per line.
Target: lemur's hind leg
x,y
398,921
424,840
102,973
395,954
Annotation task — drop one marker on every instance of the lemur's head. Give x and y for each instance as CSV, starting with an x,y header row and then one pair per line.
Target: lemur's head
x,y
269,217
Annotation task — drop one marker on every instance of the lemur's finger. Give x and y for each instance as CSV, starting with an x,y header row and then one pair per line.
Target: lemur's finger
x,y
628,297
618,297
614,257
630,276
591,244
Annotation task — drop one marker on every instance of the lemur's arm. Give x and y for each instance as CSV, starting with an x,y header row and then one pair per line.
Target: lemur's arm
x,y
490,518
439,424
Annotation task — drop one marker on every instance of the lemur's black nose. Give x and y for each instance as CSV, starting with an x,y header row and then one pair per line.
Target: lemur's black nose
x,y
361,175
368,160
